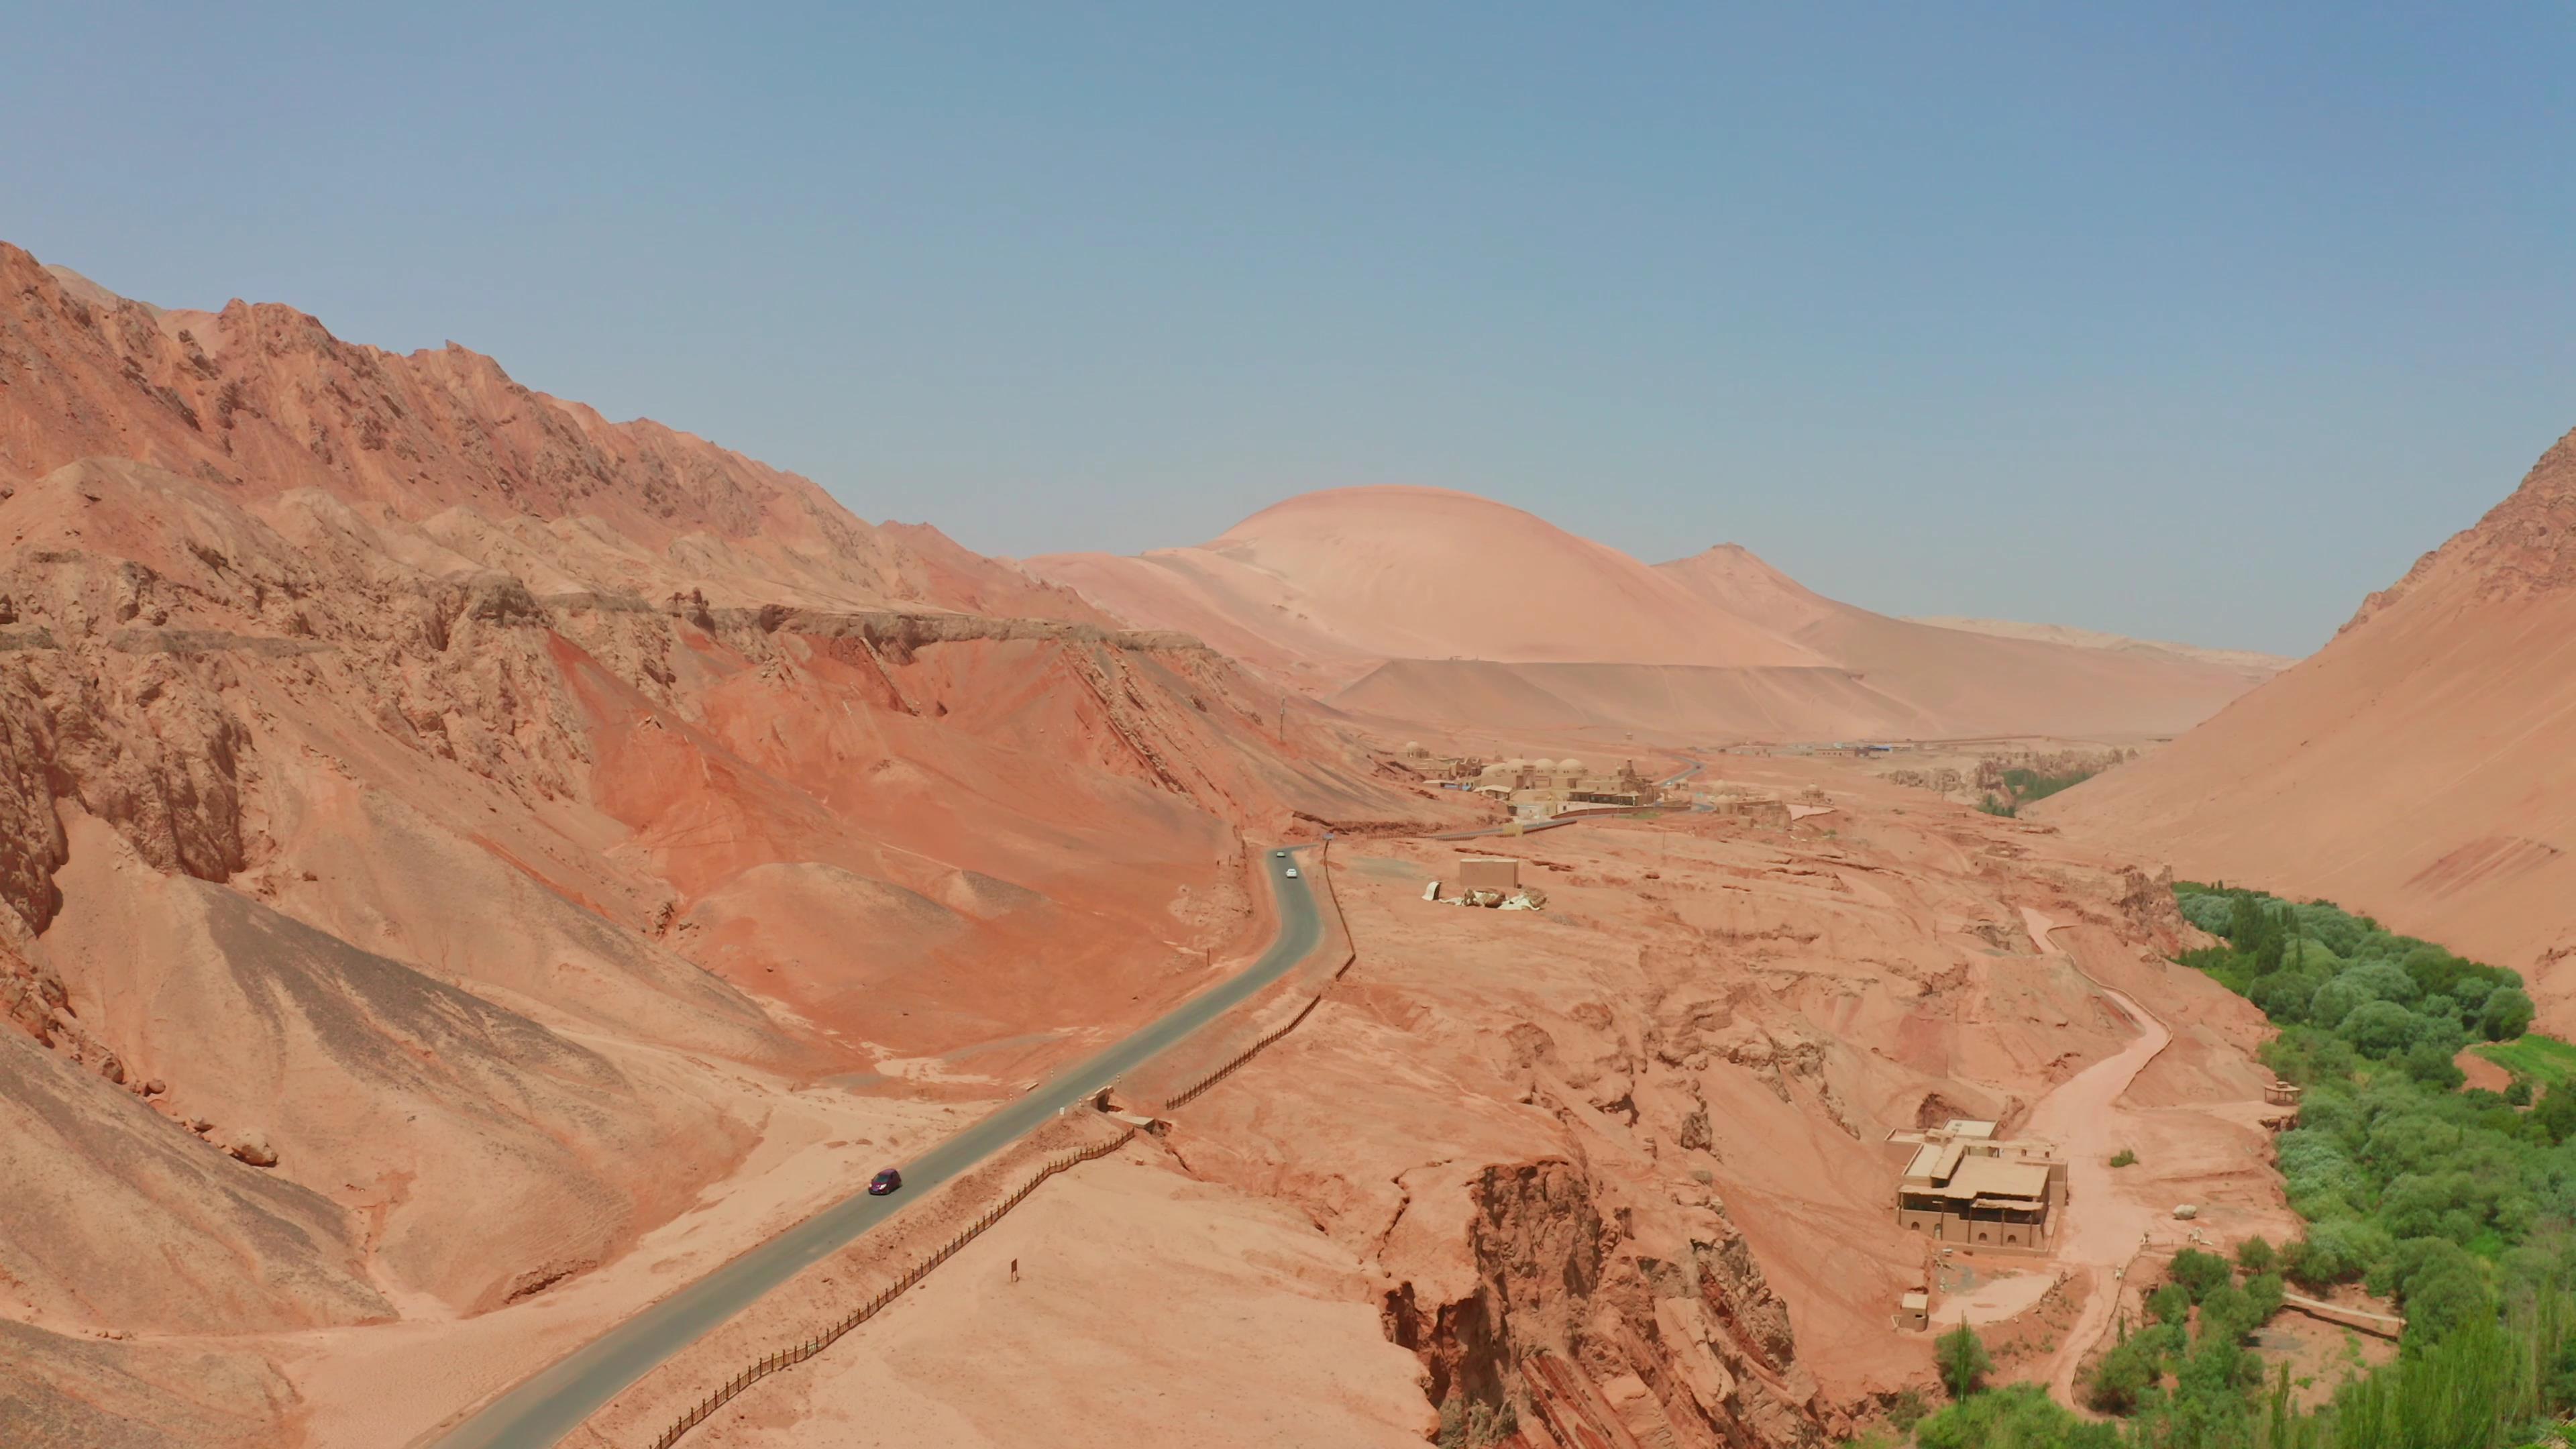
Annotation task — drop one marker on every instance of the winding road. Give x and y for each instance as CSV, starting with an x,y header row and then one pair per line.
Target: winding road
x,y
555,1400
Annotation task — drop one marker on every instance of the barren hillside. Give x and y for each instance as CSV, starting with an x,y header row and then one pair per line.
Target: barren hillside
x,y
2419,768
445,836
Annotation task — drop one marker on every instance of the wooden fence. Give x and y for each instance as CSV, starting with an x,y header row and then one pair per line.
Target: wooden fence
x,y
788,1358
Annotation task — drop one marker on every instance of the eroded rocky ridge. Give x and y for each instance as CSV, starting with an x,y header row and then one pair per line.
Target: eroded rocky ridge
x,y
415,791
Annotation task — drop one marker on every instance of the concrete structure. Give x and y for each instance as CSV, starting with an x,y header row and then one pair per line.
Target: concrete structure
x,y
1967,1187
2281,1094
1914,1312
1489,873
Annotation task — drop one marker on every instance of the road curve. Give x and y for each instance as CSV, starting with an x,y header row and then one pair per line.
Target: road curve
x,y
555,1400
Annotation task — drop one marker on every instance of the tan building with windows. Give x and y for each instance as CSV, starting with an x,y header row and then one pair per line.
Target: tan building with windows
x,y
1964,1186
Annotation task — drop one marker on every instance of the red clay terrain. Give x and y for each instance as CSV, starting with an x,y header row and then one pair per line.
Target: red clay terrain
x,y
447,838
1619,1165
471,867
2418,768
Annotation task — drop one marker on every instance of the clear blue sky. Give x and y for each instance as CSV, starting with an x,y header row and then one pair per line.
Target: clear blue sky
x,y
2184,321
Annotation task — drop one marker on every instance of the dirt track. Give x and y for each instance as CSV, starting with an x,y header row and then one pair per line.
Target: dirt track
x,y
2103,1227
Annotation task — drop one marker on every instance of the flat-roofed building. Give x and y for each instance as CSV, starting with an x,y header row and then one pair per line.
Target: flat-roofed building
x,y
1914,1312
1965,1186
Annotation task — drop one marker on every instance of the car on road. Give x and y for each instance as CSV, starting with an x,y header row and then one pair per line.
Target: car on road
x,y
1283,855
1292,872
884,1183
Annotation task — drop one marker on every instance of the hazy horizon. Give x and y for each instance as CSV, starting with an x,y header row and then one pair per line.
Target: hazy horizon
x,y
2183,325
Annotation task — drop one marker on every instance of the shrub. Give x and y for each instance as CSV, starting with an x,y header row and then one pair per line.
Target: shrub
x,y
2018,1415
2556,1114
2506,1014
2122,1378
2255,1255
2124,1158
2226,1313
2169,1304
2339,1250
2428,1063
2379,1028
2198,1272
2263,1297
1961,1357
2386,982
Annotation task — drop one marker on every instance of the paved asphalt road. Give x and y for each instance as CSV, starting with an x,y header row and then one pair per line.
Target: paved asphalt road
x,y
551,1404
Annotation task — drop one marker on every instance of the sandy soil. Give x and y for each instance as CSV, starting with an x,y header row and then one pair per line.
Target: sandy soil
x,y
390,1384
1145,1309
1699,1047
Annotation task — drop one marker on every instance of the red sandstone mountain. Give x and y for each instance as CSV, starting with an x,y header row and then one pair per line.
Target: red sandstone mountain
x,y
2420,767
1418,604
497,810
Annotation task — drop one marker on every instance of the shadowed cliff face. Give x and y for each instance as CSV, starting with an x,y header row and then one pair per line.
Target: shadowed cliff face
x,y
1603,1340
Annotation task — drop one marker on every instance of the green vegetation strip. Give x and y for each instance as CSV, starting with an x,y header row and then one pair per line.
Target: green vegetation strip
x,y
2459,1204
2544,1061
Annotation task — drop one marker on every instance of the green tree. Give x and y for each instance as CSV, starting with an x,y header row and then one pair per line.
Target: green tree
x,y
2263,1294
2018,1416
2226,1313
2556,1114
2197,1272
2169,1304
2506,1015
2255,1255
1961,1357
2122,1378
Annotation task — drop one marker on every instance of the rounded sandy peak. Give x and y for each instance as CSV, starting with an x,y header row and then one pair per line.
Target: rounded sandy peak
x,y
1408,572
1380,505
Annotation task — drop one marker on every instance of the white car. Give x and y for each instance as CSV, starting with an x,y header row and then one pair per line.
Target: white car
x,y
1292,872
1283,855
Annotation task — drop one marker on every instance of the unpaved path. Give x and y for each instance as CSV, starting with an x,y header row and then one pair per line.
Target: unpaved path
x,y
2103,1226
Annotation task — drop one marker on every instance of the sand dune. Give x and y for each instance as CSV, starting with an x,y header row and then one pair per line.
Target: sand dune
x,y
1419,605
1976,683
2251,661
2419,768
1346,578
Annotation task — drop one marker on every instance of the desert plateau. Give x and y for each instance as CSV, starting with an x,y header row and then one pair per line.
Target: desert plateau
x,y
1434,727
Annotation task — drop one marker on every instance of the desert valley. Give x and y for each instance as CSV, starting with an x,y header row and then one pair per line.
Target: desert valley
x,y
477,872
